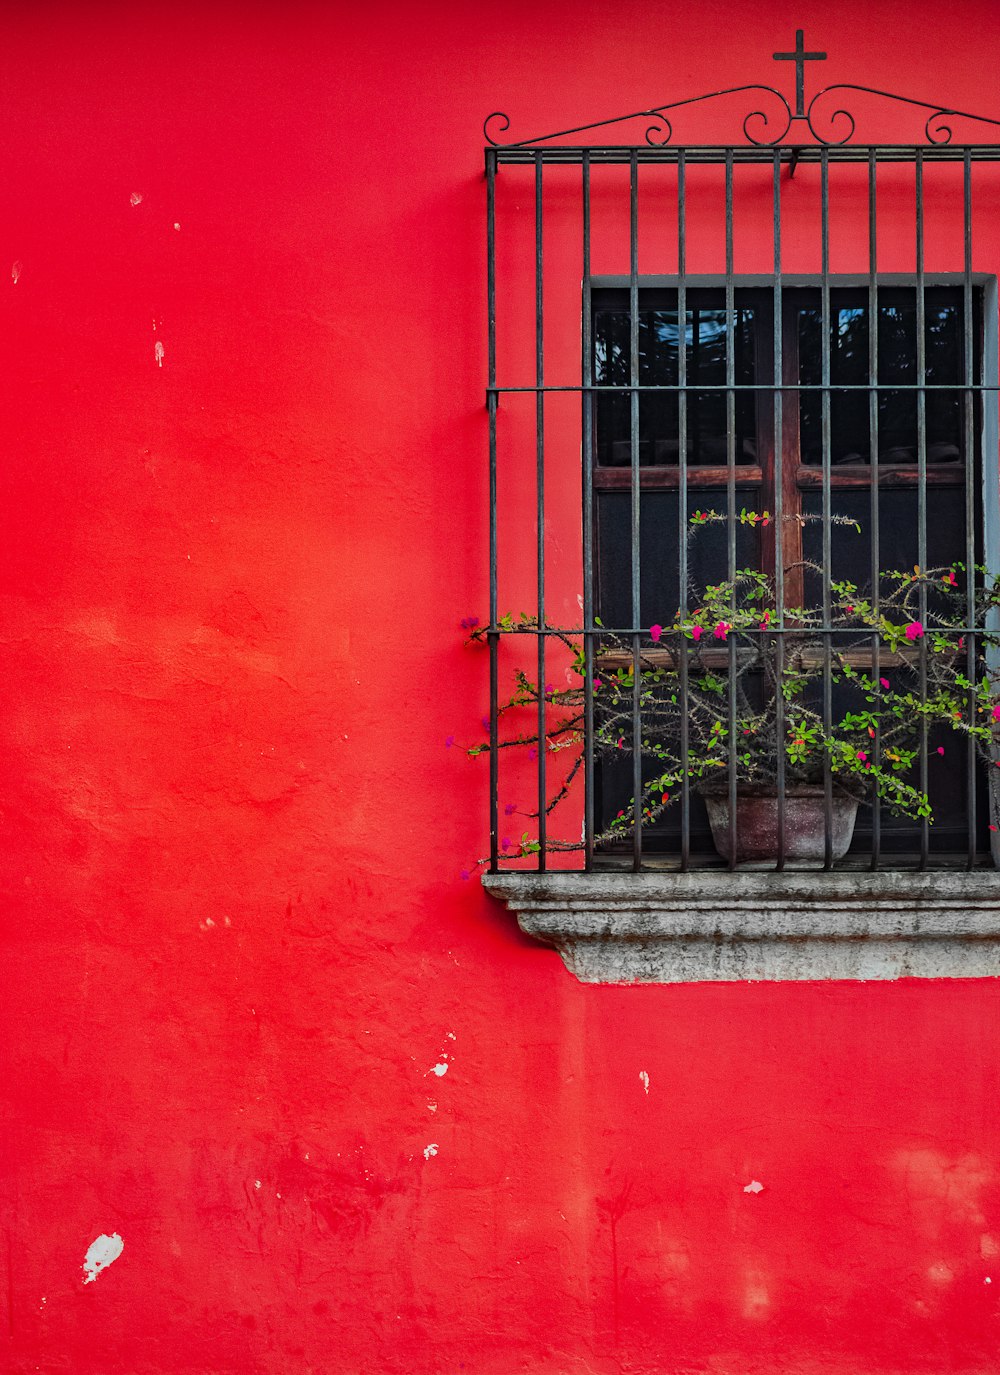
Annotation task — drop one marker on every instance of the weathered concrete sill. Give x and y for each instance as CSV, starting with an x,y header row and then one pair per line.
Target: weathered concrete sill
x,y
750,925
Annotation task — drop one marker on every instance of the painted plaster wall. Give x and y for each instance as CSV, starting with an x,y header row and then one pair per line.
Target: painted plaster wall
x,y
301,1098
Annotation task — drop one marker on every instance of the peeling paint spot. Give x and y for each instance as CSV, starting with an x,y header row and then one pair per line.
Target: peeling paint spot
x,y
430,1150
256,1183
135,198
158,353
940,1273
756,1299
15,273
176,225
754,1187
989,1249
432,1106
439,1070
987,1280
100,1254
451,1034
644,1080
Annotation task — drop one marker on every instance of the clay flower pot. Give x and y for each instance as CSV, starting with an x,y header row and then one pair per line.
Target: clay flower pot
x,y
757,823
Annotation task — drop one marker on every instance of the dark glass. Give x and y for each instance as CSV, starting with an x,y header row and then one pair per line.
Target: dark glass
x,y
705,342
850,432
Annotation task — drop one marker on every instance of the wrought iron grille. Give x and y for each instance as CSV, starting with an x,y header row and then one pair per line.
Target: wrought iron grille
x,y
798,359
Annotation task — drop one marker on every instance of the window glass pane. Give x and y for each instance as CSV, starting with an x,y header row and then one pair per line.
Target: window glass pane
x,y
850,433
659,412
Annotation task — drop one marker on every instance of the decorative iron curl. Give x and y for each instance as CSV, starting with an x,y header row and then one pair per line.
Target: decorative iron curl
x,y
941,134
762,115
659,135
497,114
831,119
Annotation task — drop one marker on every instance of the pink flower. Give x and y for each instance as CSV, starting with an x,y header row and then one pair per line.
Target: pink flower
x,y
549,688
465,874
532,753
505,843
722,630
885,683
696,633
449,741
655,631
914,630
849,610
940,749
469,622
510,809
597,682
485,722
862,756
996,712
621,742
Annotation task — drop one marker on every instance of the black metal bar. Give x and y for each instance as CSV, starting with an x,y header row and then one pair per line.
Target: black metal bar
x,y
540,513
827,512
731,495
762,386
635,494
918,172
703,154
874,483
491,312
779,516
970,501
682,503
588,539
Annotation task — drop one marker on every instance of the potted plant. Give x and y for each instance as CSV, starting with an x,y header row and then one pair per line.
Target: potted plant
x,y
724,690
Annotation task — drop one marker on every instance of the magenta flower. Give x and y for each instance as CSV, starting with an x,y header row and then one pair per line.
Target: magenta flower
x,y
510,809
655,631
549,688
940,749
696,633
621,742
885,683
486,722
862,756
449,741
469,622
597,682
996,712
465,874
914,630
722,630
532,753
505,843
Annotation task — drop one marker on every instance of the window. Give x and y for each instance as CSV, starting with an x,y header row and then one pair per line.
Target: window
x,y
788,378
897,464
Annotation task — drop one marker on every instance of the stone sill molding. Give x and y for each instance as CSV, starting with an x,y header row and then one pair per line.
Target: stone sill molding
x,y
749,925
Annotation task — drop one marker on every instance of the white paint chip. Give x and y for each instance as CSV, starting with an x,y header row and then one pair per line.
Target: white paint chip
x,y
176,225
754,1187
644,1080
158,352
432,1106
439,1070
430,1150
100,1254
15,272
135,198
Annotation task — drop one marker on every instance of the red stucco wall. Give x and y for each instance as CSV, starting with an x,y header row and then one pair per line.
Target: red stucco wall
x,y
235,938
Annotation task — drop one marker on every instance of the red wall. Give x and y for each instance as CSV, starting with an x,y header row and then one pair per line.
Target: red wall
x,y
235,936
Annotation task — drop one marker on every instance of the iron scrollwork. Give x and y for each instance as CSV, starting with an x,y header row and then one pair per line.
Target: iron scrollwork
x,y
760,128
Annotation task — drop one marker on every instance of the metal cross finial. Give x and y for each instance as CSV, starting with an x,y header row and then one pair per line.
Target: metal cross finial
x,y
800,57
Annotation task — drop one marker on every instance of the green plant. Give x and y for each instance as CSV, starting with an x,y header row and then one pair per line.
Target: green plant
x,y
736,685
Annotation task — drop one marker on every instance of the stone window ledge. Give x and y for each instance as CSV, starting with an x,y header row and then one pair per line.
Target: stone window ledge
x,y
753,925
